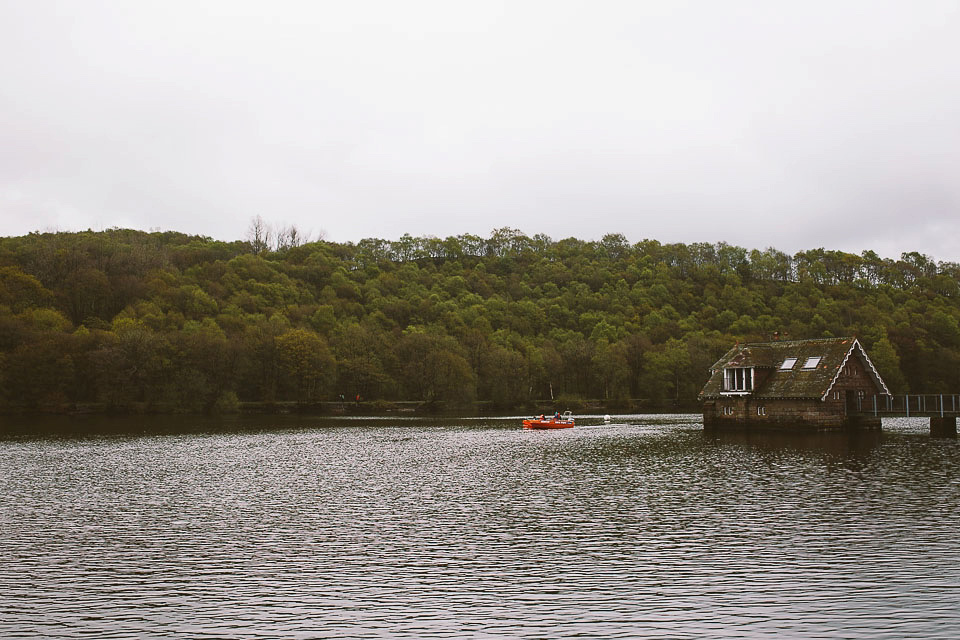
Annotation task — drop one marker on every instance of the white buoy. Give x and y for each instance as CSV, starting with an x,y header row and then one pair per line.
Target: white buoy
x,y
606,418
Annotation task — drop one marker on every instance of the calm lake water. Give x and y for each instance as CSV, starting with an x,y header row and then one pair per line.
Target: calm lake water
x,y
180,527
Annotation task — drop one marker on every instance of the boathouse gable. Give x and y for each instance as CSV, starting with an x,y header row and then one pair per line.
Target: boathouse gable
x,y
792,383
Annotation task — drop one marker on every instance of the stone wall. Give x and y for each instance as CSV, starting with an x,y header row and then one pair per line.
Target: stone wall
x,y
744,412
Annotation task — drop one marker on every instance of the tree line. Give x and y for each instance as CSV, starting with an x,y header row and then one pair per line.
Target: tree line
x,y
163,321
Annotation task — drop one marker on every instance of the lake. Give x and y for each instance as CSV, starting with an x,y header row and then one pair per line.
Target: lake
x,y
376,528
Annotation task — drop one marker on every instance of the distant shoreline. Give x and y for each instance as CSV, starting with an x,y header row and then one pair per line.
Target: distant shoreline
x,y
379,408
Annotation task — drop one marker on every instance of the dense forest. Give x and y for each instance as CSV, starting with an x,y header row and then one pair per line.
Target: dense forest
x,y
126,320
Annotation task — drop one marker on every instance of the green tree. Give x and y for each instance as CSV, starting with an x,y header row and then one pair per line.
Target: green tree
x,y
666,368
306,362
20,291
129,364
885,359
363,356
431,367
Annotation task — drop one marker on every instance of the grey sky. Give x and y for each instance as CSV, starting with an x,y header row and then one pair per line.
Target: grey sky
x,y
794,125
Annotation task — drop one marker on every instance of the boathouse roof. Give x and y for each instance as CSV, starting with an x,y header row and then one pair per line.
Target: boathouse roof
x,y
791,368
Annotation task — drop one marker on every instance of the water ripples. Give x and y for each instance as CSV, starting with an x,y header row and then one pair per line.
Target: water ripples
x,y
476,528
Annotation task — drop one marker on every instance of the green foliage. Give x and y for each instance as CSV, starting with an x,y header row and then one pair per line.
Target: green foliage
x,y
227,403
305,363
166,321
20,291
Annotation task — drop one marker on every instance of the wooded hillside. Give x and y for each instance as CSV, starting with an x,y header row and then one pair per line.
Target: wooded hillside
x,y
127,319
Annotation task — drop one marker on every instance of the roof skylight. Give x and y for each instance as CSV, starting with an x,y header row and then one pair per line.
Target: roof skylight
x,y
812,363
788,363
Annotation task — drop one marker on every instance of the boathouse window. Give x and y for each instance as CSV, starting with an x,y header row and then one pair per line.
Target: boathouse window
x,y
728,411
738,379
811,363
788,363
761,411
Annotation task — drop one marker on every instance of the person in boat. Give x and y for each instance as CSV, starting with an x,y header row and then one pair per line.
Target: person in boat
x,y
556,416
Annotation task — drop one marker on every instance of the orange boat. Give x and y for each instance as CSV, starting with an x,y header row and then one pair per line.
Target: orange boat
x,y
554,422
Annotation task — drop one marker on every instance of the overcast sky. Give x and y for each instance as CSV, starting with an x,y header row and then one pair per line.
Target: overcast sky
x,y
788,124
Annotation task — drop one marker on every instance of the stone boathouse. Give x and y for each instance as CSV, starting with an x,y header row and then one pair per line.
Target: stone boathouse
x,y
792,384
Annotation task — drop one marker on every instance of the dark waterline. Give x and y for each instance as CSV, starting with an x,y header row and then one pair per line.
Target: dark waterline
x,y
293,527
